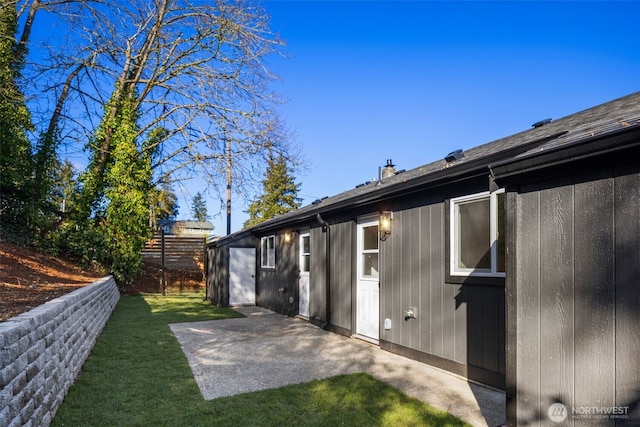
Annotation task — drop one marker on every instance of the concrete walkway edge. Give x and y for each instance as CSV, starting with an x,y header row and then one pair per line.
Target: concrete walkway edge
x,y
268,350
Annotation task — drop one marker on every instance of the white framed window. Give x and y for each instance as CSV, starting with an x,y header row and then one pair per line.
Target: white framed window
x,y
368,247
305,253
477,235
268,252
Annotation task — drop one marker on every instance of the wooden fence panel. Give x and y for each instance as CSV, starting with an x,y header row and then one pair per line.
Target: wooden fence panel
x,y
180,252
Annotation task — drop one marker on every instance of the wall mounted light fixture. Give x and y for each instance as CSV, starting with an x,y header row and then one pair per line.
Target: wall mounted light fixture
x,y
385,224
288,237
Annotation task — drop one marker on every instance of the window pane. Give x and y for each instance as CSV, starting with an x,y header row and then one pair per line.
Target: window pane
x,y
501,234
305,263
272,251
370,238
474,234
306,247
268,251
265,257
370,265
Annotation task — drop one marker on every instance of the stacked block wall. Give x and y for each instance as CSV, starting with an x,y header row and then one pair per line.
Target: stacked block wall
x,y
42,351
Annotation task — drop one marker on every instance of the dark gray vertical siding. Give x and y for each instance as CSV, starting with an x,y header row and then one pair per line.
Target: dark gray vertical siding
x,y
492,315
341,265
275,286
391,275
218,266
404,227
459,323
627,277
577,294
317,275
414,267
462,322
435,247
448,321
594,283
556,290
217,274
528,303
288,272
424,260
475,339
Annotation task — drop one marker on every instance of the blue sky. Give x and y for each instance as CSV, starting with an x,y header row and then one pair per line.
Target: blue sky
x,y
411,81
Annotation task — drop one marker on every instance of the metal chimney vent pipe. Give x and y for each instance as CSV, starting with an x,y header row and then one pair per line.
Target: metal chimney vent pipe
x,y
389,170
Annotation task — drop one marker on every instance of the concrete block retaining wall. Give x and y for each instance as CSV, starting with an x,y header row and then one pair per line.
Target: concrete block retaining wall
x,y
42,351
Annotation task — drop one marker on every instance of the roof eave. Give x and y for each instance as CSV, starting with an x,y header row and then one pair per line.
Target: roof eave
x,y
446,175
582,149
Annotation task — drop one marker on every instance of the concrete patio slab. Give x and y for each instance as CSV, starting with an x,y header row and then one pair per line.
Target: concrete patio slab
x,y
268,350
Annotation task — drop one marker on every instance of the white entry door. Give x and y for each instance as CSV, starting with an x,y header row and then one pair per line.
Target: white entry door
x,y
242,276
368,286
303,280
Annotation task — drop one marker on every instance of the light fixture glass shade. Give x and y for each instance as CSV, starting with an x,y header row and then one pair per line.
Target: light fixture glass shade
x,y
385,223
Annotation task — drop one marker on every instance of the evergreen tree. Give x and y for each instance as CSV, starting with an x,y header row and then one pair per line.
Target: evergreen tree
x,y
279,193
199,208
164,204
17,209
127,189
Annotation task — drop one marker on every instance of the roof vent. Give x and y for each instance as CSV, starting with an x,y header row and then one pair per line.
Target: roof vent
x,y
541,123
454,155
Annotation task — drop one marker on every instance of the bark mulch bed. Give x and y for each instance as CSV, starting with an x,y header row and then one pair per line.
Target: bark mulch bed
x,y
29,278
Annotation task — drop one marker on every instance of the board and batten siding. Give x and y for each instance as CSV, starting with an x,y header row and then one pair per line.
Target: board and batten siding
x,y
341,270
217,261
217,275
317,275
275,285
459,327
576,293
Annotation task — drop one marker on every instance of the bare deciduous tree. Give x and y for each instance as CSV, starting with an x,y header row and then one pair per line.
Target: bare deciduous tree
x,y
199,71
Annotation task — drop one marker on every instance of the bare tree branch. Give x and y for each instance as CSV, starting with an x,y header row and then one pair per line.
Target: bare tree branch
x,y
199,70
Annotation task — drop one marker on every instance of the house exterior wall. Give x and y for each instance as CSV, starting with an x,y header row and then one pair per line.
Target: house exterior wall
x,y
342,275
458,327
276,285
217,261
317,276
567,310
574,296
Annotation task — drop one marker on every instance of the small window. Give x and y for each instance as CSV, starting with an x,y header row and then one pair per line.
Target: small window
x,y
370,251
305,253
268,249
477,235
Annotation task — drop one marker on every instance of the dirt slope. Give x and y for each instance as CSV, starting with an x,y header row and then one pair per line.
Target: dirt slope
x,y
29,278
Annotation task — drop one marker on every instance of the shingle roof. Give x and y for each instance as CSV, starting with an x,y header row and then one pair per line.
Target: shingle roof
x,y
207,225
612,116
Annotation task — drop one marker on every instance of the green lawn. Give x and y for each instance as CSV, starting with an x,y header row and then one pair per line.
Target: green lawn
x,y
137,375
